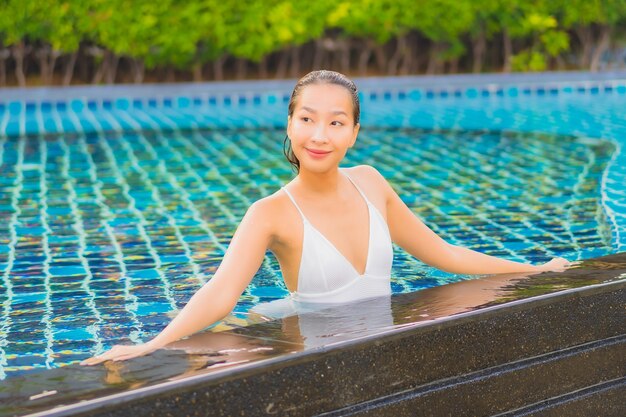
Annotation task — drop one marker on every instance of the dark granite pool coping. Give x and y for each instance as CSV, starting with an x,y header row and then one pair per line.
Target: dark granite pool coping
x,y
562,349
265,366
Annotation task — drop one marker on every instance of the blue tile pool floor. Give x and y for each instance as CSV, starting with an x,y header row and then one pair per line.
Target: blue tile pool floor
x,y
115,210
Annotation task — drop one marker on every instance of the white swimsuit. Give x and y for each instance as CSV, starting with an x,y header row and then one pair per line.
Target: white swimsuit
x,y
326,276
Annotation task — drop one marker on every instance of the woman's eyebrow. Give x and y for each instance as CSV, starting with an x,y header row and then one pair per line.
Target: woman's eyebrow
x,y
335,112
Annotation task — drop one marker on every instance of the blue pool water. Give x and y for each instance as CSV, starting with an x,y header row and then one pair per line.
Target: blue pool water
x,y
114,211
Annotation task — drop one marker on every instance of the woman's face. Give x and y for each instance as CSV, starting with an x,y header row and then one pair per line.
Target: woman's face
x,y
322,127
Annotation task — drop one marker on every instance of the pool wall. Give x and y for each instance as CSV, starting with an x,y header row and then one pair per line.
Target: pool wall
x,y
552,355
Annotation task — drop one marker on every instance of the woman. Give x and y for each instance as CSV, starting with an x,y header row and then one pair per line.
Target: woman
x,y
330,229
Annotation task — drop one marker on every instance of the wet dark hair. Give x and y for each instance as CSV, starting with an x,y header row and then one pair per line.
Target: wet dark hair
x,y
316,78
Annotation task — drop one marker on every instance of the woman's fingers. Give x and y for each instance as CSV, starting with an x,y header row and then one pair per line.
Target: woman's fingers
x,y
94,360
125,357
557,265
117,353
97,359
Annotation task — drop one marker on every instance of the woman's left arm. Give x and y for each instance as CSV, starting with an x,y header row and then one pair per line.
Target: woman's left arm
x,y
411,234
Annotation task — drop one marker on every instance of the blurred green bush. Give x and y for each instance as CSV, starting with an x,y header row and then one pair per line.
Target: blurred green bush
x,y
79,41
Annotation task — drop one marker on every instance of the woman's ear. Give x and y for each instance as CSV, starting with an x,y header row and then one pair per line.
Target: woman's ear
x,y
288,126
355,133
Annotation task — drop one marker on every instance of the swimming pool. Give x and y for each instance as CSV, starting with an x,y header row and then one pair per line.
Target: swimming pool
x,y
116,208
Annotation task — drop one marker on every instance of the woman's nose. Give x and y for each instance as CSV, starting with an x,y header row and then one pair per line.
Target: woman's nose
x,y
319,135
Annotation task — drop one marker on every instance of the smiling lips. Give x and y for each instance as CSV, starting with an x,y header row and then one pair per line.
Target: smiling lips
x,y
316,153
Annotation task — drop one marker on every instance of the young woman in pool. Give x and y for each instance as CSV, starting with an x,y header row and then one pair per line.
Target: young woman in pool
x,y
330,228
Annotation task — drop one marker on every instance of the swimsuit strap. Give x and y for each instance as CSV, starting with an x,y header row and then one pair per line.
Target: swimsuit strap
x,y
358,189
293,200
294,203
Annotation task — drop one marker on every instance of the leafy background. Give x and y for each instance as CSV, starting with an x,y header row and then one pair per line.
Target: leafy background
x,y
105,41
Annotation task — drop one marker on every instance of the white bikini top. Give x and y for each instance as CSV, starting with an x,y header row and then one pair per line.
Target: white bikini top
x,y
326,276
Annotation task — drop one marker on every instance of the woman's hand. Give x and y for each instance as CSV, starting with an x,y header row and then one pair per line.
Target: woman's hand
x,y
555,264
121,353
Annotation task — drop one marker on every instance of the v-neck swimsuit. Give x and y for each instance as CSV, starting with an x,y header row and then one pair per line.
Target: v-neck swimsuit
x,y
326,276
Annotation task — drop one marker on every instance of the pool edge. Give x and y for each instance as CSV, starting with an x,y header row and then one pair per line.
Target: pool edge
x,y
258,384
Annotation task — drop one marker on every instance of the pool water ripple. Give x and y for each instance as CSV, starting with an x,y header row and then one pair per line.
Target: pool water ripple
x,y
113,214
133,224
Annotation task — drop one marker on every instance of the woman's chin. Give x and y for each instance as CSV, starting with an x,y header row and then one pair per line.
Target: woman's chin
x,y
320,165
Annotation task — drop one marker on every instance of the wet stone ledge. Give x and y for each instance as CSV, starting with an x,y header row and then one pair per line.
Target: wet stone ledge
x,y
546,344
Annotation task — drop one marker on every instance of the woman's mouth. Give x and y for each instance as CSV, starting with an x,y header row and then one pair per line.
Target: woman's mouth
x,y
317,154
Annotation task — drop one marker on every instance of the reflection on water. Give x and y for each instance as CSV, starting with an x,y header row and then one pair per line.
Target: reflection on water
x,y
301,328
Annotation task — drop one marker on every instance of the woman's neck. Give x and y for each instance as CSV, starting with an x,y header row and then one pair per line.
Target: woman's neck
x,y
325,183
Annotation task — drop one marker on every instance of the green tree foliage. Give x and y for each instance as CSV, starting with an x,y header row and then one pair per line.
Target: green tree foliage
x,y
483,28
116,40
375,23
443,22
593,22
149,33
21,21
546,41
267,26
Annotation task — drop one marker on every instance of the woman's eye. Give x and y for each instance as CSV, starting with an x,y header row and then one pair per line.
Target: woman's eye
x,y
306,119
336,123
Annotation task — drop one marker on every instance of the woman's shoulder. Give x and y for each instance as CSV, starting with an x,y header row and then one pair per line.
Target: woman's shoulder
x,y
372,182
278,216
272,208
271,203
366,175
363,169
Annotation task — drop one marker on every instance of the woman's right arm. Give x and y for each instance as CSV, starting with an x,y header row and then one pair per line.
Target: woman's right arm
x,y
219,295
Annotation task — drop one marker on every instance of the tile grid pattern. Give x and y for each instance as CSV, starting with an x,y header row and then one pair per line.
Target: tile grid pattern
x,y
118,163
208,140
